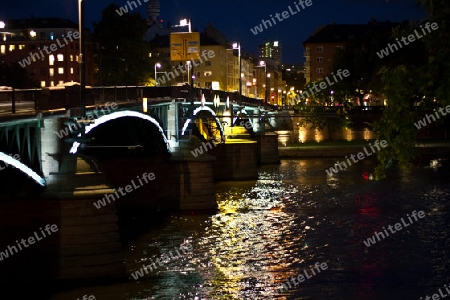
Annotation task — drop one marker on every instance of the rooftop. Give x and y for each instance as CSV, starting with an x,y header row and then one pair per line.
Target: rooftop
x,y
39,23
335,33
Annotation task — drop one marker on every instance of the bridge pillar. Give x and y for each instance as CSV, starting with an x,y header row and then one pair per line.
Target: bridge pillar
x,y
89,241
172,125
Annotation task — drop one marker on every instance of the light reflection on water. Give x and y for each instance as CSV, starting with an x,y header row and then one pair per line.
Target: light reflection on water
x,y
293,216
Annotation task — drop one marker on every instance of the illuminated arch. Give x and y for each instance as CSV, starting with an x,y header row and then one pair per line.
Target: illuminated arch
x,y
196,111
117,115
22,167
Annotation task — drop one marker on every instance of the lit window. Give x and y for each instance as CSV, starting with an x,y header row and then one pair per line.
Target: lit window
x,y
71,57
52,36
3,49
43,83
77,58
71,70
51,72
60,57
21,47
60,70
12,47
52,83
61,82
51,60
319,48
207,73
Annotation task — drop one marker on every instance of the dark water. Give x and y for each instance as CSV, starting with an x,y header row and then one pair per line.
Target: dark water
x,y
292,217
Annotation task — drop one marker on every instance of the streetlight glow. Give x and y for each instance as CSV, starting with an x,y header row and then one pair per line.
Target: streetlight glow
x,y
238,47
2,25
157,65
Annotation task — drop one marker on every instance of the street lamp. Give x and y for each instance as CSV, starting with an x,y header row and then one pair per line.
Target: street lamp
x,y
263,64
2,26
82,58
188,67
267,87
184,22
157,65
238,47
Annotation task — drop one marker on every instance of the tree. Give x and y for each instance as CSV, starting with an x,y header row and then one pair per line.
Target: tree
x,y
424,76
122,57
15,76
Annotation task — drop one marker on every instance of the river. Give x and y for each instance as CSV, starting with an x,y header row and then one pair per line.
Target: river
x,y
294,216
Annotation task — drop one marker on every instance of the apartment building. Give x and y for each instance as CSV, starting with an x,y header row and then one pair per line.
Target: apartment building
x,y
28,43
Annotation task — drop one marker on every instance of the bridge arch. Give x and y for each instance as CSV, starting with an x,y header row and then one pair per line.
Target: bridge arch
x,y
117,115
196,114
9,160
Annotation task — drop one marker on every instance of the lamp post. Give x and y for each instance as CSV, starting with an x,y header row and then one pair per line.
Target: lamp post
x,y
262,63
267,88
157,65
82,62
238,47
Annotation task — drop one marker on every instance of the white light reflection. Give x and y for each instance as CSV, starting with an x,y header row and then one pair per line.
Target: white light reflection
x,y
22,167
117,115
196,111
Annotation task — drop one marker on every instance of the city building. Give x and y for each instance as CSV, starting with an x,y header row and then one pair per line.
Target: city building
x,y
322,45
271,50
48,48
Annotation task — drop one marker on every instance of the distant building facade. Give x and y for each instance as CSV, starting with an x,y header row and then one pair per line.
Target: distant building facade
x,y
28,43
321,47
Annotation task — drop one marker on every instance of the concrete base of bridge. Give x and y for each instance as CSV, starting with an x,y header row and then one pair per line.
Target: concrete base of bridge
x,y
236,160
268,149
89,240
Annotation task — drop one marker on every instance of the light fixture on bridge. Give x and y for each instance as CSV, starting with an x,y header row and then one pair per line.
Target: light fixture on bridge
x,y
144,105
203,100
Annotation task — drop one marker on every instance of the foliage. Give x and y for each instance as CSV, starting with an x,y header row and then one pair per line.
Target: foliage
x,y
423,75
15,76
396,125
122,57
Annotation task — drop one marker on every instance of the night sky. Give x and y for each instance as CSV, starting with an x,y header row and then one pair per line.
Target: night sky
x,y
235,17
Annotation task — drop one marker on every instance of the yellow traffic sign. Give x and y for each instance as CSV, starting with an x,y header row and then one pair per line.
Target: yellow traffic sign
x,y
184,45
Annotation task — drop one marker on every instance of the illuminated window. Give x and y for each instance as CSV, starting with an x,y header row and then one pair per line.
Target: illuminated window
x,y
51,72
77,58
60,70
60,57
71,57
12,47
52,36
43,83
207,73
3,49
21,47
52,83
61,82
71,70
51,60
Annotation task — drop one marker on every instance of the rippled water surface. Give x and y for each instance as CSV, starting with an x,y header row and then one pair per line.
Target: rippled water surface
x,y
292,217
